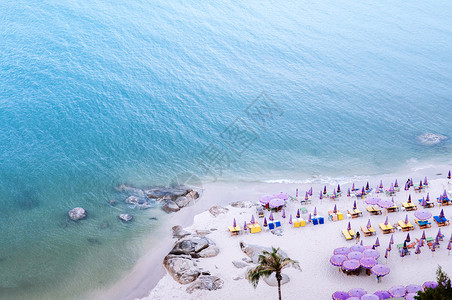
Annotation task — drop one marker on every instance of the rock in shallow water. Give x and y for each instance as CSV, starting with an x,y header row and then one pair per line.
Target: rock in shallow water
x,y
77,213
170,206
125,217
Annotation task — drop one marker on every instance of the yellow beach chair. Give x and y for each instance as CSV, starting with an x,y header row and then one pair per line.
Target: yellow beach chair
x,y
346,234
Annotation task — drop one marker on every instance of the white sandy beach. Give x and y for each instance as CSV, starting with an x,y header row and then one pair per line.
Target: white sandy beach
x,y
313,245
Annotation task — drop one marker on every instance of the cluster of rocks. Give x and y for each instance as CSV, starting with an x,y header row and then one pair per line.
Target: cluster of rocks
x,y
173,199
180,262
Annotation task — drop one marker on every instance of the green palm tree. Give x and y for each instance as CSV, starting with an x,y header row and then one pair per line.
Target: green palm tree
x,y
268,263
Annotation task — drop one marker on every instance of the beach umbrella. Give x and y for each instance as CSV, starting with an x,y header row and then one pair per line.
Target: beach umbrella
x,y
367,186
372,201
397,291
444,194
341,250
283,196
368,262
368,224
298,213
383,295
371,253
386,221
396,184
450,239
439,234
339,295
290,220
252,220
321,195
354,205
420,184
271,217
334,194
387,254
338,188
429,285
357,248
265,199
391,189
234,224
406,187
324,189
411,182
409,198
348,192
421,243
381,184
353,186
423,235
437,240
391,241
406,219
369,297
418,250
433,248
389,247
385,203
349,227
408,239
335,209
427,199
440,199
357,292
309,218
377,243
310,191
245,227
423,202
425,181
380,270
449,247
351,264
265,222
355,255
338,259
448,175
306,196
315,211
276,202
441,214
296,193
363,192
413,288
423,215
283,214
361,243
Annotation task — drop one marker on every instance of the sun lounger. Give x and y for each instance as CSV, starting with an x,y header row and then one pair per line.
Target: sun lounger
x,y
409,206
234,230
386,228
302,222
357,211
271,226
346,234
423,224
352,214
255,228
392,209
352,233
296,223
445,220
321,220
277,224
405,227
440,222
373,210
315,221
366,231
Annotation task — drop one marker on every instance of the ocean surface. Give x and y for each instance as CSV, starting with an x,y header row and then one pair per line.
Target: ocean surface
x,y
94,94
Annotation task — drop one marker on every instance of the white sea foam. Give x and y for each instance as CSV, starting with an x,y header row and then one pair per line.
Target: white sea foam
x,y
431,138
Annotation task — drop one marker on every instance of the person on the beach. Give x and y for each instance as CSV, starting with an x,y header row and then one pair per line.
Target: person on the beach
x,y
357,237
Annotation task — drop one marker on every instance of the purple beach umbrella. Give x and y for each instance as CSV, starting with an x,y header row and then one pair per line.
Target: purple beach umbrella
x,y
387,253
290,220
296,193
271,217
234,224
368,262
418,249
368,224
439,234
357,248
391,189
334,194
265,222
377,243
372,201
324,189
420,184
355,255
391,241
335,209
276,202
423,235
298,213
341,250
396,184
264,200
338,188
337,260
408,239
306,196
406,187
386,221
361,243
353,186
380,270
309,218
315,211
410,296
321,195
363,192
385,203
449,246
448,175
429,285
423,202
406,219
425,181
413,288
371,253
444,194
357,292
367,186
383,295
381,184
348,193
351,264
409,198
423,215
427,199
310,191
244,226
441,214
349,226
283,196
252,220
397,291
369,297
411,182
339,295
283,214
354,205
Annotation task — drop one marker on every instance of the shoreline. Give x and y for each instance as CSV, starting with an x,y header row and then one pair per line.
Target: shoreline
x,y
140,281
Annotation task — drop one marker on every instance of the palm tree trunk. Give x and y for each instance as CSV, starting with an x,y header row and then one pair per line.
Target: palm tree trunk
x,y
278,279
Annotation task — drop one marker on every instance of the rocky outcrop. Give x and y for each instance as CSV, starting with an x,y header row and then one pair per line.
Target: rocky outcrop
x,y
209,283
167,193
170,206
181,268
141,203
77,213
195,246
125,217
179,232
239,264
218,210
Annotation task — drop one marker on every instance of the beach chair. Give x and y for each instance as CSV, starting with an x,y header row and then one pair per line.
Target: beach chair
x,y
315,221
386,228
405,227
443,219
357,211
371,210
392,209
352,233
352,214
321,220
296,223
409,206
441,222
346,234
277,224
234,230
255,228
365,231
271,226
302,222
423,224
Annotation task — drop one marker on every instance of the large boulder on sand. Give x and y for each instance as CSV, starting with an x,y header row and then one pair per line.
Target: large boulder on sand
x,y
195,246
253,251
203,282
77,213
181,268
271,280
179,232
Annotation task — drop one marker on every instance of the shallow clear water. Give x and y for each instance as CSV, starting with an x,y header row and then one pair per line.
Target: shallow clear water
x,y
98,93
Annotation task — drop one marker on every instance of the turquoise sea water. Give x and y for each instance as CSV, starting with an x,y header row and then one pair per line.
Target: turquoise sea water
x,y
98,93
